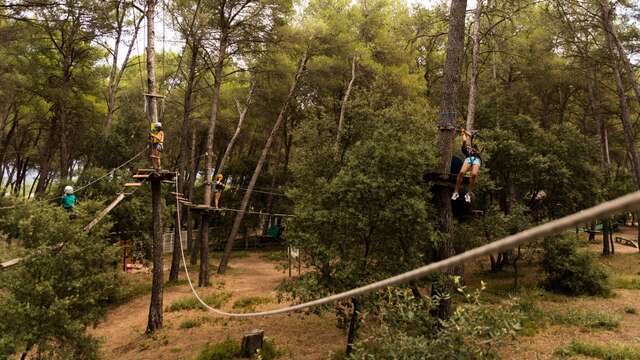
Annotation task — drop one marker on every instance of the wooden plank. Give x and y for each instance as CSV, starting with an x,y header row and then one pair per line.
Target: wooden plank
x,y
626,242
104,212
176,193
10,263
141,176
133,184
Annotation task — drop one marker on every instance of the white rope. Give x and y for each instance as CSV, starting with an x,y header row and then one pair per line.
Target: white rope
x,y
629,201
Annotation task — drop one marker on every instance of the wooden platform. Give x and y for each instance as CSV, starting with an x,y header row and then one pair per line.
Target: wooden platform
x,y
446,180
627,242
151,175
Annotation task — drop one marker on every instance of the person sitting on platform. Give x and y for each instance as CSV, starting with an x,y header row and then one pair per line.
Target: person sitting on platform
x,y
68,199
157,144
219,186
472,162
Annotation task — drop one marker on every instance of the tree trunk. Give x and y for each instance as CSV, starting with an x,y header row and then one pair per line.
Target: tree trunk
x,y
606,251
203,275
624,106
183,158
446,124
343,108
155,307
242,114
473,83
256,173
353,326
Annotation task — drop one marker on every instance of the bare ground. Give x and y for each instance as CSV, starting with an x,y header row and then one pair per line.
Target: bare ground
x,y
299,336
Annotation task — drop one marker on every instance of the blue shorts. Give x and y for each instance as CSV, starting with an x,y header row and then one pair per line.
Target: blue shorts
x,y
473,160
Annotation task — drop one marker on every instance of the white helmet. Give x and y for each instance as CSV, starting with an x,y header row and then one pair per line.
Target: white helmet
x,y
68,189
158,125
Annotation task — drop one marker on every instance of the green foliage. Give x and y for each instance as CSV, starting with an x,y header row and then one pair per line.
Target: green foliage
x,y
407,331
215,300
605,352
570,272
269,350
249,303
226,350
57,291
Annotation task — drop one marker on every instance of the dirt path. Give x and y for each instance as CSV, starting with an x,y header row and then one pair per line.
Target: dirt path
x,y
299,336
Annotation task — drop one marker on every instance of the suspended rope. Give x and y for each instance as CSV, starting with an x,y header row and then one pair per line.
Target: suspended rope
x,y
108,174
630,201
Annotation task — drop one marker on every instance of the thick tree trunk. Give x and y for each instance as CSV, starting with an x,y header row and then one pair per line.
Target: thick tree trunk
x,y
446,124
622,96
256,173
155,307
343,109
473,83
242,112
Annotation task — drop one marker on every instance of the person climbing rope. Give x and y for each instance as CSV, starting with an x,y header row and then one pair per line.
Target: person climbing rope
x,y
68,199
157,144
219,186
472,162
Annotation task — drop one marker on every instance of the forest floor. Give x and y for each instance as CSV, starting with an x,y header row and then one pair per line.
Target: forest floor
x,y
592,324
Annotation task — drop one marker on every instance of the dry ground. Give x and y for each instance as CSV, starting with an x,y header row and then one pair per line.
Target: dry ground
x,y
312,337
299,336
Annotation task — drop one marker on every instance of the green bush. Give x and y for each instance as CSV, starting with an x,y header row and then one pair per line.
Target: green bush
x,y
407,331
570,272
226,350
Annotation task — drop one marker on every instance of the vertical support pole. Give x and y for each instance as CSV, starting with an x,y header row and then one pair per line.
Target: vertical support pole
x,y
289,257
203,275
155,307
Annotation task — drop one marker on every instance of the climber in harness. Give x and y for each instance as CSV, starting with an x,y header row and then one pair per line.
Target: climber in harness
x,y
68,199
472,162
157,144
219,186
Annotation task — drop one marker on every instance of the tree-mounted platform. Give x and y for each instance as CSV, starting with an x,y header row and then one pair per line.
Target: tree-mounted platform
x,y
444,180
154,175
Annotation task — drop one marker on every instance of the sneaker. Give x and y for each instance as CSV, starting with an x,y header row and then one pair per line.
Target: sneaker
x,y
455,196
467,197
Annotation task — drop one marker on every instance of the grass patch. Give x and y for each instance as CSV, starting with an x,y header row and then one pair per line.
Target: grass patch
x,y
533,318
269,350
226,350
625,282
605,352
630,310
249,303
590,320
275,256
191,303
192,323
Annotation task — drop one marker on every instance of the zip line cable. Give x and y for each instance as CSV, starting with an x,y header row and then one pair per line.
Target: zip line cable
x,y
630,201
84,186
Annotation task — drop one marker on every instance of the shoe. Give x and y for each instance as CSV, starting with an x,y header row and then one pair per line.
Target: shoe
x,y
467,197
455,196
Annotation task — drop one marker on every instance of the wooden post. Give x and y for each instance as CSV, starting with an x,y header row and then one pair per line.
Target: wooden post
x,y
155,307
251,342
289,257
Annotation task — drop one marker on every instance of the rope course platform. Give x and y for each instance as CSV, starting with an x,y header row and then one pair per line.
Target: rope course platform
x,y
208,208
152,174
444,180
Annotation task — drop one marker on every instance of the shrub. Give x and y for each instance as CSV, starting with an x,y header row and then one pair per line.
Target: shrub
x,y
630,310
191,323
226,350
407,331
570,272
